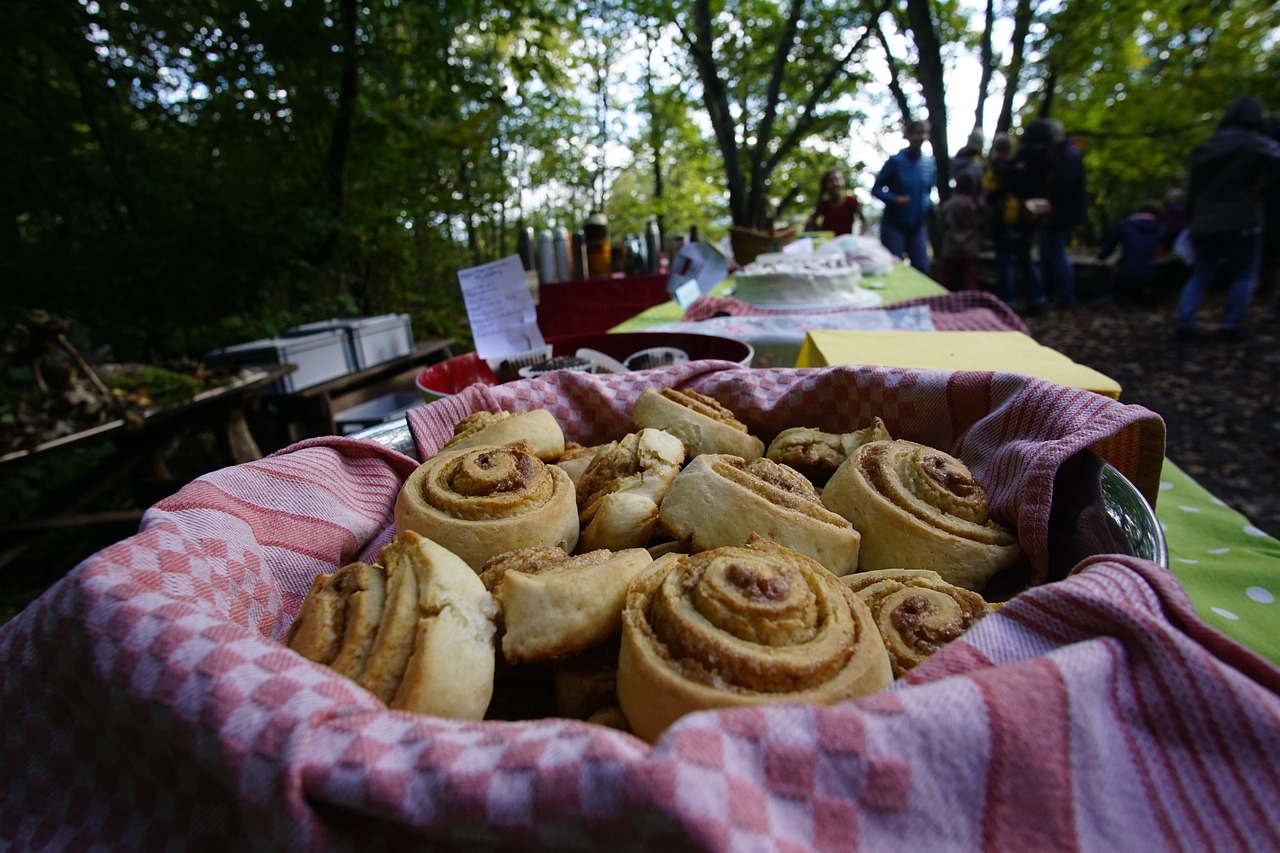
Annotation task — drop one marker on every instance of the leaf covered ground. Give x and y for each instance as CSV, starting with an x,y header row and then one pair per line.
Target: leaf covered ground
x,y
1219,399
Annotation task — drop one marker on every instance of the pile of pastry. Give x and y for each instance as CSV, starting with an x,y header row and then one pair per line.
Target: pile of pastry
x,y
683,567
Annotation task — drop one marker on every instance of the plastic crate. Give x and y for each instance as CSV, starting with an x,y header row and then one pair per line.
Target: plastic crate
x,y
319,357
388,407
370,340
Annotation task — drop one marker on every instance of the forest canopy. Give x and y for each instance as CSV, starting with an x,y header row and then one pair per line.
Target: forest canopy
x,y
180,176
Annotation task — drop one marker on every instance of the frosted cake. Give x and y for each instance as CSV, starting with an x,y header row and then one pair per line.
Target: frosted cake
x,y
818,279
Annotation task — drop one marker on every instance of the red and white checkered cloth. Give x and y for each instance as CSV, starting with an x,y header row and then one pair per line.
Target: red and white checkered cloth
x,y
147,700
964,311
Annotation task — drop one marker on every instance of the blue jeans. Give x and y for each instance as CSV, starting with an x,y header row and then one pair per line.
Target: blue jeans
x,y
1059,275
1015,247
1242,253
907,241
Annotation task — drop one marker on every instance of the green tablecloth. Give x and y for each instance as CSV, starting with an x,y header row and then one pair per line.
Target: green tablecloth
x,y
1229,568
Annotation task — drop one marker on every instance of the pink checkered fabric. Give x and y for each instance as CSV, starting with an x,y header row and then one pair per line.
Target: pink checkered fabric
x,y
148,703
965,311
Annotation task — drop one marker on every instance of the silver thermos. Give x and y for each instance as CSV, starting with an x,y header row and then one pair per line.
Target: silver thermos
x,y
546,257
653,244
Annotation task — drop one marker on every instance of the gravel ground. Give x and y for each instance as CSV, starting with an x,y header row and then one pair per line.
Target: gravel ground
x,y
1219,399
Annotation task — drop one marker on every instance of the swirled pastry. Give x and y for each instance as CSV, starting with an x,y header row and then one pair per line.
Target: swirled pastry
x,y
553,605
916,611
721,500
619,493
537,428
484,501
339,617
701,422
429,645
742,626
817,454
920,508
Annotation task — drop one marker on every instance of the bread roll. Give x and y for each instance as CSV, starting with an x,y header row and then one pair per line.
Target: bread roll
x,y
484,501
916,611
537,428
618,495
552,608
920,508
817,454
701,422
576,459
721,500
742,626
416,629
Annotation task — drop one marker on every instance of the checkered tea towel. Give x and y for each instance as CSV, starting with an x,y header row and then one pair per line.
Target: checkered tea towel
x,y
149,704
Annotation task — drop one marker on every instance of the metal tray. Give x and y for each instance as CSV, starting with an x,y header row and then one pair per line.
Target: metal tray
x,y
1124,503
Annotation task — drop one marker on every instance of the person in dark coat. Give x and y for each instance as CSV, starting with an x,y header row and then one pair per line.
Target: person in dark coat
x,y
1138,238
1069,197
1229,174
1018,177
905,185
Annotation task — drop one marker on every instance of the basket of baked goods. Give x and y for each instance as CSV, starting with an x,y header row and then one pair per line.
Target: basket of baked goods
x,y
698,606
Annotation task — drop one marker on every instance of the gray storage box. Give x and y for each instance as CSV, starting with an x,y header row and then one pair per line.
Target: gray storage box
x,y
388,407
370,340
319,358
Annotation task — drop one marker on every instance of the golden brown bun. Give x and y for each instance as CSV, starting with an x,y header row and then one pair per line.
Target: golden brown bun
x,y
552,608
920,508
701,422
537,428
418,629
721,500
817,454
916,611
742,626
339,618
484,501
618,495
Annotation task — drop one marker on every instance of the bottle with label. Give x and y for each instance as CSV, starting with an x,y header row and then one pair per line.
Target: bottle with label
x,y
599,251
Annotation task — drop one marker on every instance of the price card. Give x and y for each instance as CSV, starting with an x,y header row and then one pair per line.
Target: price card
x,y
695,270
500,308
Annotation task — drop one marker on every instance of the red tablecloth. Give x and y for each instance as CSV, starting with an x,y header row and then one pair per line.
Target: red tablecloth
x,y
596,305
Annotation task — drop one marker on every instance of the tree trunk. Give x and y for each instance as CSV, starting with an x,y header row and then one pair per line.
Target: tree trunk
x,y
930,73
895,79
1022,17
988,64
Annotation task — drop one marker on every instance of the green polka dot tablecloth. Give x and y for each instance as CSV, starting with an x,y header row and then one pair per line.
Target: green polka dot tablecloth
x,y
1230,568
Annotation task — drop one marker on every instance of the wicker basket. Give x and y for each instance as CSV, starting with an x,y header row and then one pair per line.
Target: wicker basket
x,y
747,243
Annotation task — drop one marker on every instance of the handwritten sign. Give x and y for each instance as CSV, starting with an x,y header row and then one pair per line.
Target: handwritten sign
x,y
500,308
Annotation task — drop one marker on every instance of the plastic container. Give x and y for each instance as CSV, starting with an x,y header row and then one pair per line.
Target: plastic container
x,y
370,340
388,407
319,357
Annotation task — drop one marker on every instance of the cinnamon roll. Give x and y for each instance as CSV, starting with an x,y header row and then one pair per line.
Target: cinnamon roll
x,y
619,493
916,611
484,501
742,625
537,428
416,629
701,422
721,500
817,454
554,605
920,508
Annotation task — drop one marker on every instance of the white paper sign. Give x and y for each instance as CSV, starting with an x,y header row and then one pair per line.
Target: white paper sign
x,y
802,246
696,264
500,308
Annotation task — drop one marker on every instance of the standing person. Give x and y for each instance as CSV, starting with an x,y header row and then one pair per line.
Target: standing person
x,y
1138,238
905,185
1228,175
969,159
963,220
1173,218
836,210
1017,177
1067,195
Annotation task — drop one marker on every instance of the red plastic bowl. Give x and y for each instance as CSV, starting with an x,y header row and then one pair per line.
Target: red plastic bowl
x,y
453,375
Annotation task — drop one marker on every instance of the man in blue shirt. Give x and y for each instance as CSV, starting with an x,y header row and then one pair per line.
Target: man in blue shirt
x,y
905,185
